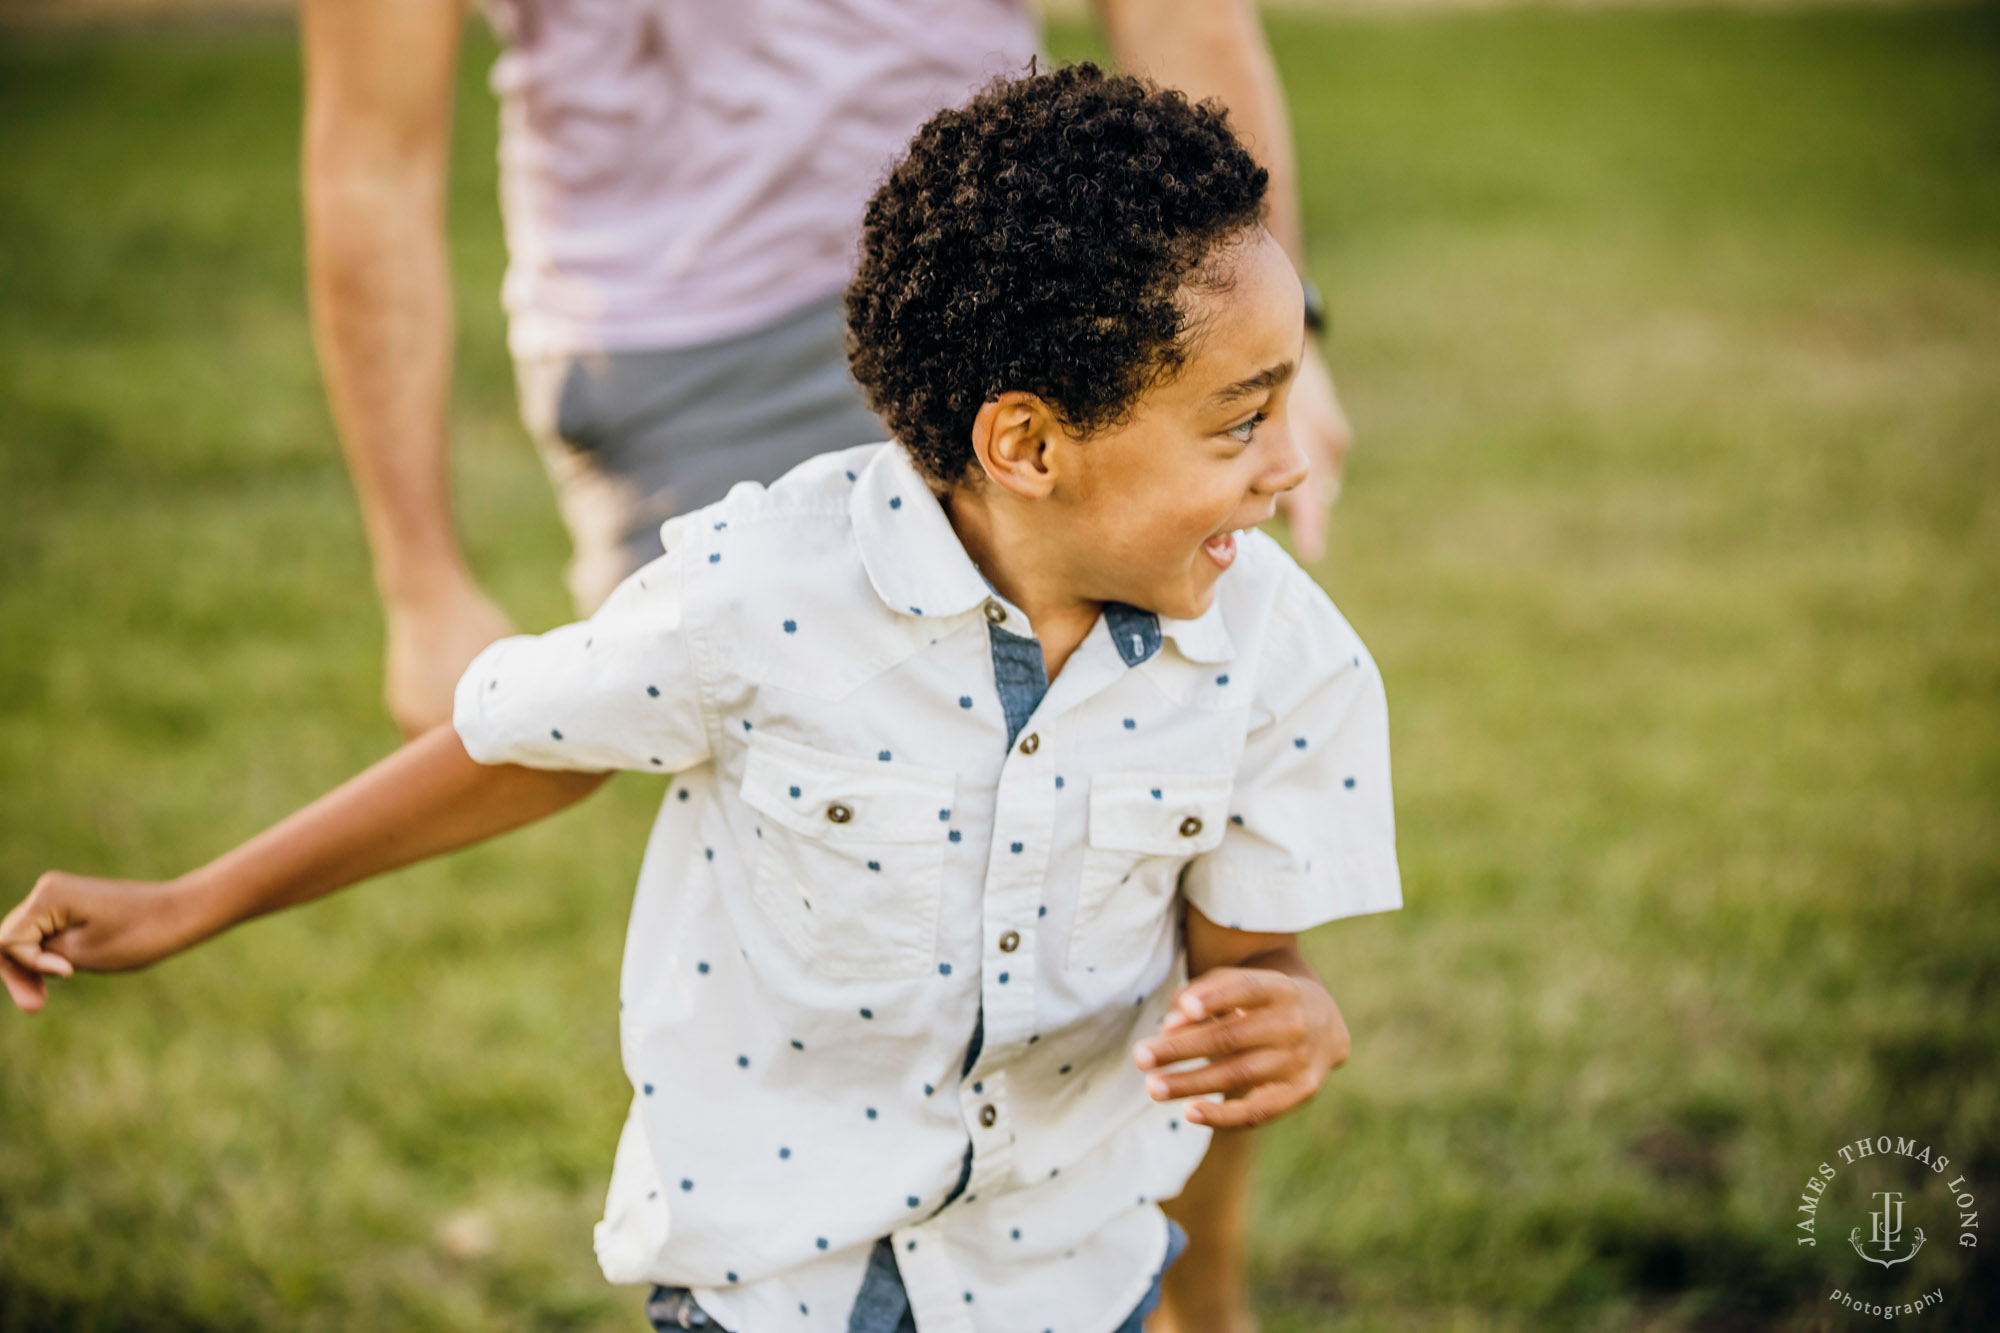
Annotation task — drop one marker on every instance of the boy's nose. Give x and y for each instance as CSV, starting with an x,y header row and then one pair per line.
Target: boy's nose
x,y
1287,467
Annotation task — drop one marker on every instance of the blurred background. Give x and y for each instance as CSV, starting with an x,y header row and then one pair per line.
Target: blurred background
x,y
1671,336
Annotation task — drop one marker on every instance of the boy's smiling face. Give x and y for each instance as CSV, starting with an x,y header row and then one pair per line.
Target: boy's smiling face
x,y
1146,512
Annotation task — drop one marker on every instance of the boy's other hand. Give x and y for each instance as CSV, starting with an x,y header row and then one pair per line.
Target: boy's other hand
x,y
1321,428
1270,1037
72,921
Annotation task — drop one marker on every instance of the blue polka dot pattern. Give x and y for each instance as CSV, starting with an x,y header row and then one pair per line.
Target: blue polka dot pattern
x,y
795,793
653,691
965,701
1348,783
883,756
715,557
1299,741
955,835
1014,847
553,732
784,1153
791,627
742,1062
1130,725
686,1184
701,968
944,969
895,502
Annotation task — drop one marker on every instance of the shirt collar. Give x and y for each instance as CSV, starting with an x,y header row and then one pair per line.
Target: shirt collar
x,y
919,567
913,557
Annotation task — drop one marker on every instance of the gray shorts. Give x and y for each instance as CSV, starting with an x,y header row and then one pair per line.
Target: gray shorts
x,y
632,438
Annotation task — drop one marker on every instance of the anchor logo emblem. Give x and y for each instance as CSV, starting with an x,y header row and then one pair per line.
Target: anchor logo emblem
x,y
1887,1230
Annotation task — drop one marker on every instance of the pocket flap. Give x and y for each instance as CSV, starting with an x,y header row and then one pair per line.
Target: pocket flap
x,y
839,799
1159,814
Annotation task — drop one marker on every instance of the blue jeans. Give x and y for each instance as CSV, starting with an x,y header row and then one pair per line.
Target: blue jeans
x,y
882,1304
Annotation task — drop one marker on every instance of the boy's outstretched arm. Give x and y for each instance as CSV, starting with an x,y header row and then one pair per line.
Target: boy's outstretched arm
x,y
1256,1010
428,798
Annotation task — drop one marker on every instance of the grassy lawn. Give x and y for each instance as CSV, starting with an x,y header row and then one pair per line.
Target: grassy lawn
x,y
1673,344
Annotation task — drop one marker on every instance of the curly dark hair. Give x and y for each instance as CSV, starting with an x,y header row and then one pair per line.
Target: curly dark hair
x,y
1037,239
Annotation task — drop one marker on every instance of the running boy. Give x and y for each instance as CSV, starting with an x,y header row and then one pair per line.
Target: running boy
x,y
988,740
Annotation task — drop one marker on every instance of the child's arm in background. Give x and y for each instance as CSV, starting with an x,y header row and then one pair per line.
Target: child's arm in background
x,y
1254,1007
428,798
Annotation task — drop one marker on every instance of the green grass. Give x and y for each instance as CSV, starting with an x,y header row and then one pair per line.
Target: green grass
x,y
1673,343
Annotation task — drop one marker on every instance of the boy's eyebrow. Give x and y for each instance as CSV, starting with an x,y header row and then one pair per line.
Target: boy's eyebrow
x,y
1250,384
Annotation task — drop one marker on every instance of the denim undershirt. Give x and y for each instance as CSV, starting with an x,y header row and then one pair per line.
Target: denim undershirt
x,y
1021,678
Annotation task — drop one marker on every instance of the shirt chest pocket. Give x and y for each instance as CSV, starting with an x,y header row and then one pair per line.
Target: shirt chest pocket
x,y
850,867
1144,827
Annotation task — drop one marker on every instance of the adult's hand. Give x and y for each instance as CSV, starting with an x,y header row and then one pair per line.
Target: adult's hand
x,y
431,641
1320,427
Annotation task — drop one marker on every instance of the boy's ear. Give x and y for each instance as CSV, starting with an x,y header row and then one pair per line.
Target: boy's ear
x,y
1017,439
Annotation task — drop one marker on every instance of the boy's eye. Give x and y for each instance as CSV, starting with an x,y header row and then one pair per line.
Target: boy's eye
x,y
1244,430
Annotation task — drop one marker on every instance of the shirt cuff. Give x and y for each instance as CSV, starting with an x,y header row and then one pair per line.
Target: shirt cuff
x,y
1290,901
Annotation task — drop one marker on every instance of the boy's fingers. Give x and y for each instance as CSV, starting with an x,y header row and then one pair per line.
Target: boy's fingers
x,y
26,989
1236,1074
1227,988
1218,1037
1262,1106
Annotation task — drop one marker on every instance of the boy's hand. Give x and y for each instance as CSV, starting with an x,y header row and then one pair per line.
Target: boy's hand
x,y
1271,1039
72,921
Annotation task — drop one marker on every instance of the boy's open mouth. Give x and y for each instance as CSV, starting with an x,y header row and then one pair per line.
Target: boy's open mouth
x,y
1221,548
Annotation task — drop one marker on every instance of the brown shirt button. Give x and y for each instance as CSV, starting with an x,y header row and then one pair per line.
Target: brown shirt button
x,y
1190,826
1031,742
1010,941
995,612
839,813
987,1115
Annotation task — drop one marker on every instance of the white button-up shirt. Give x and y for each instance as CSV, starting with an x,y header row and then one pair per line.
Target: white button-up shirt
x,y
885,833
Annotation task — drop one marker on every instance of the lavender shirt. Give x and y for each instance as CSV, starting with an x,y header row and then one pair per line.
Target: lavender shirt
x,y
677,172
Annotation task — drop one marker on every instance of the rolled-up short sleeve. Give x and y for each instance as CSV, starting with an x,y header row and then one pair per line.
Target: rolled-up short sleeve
x,y
1312,827
615,691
